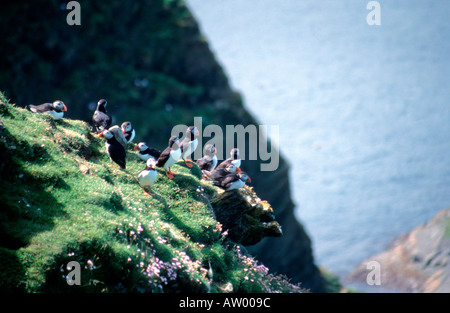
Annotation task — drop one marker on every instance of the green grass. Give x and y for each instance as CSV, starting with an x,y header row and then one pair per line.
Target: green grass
x,y
62,201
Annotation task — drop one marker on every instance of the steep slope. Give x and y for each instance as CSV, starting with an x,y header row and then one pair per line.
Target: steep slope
x,y
62,201
150,61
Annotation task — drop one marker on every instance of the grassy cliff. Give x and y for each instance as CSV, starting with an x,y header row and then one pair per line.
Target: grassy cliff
x,y
152,63
63,201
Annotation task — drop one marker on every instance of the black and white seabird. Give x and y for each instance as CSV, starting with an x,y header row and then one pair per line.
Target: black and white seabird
x,y
220,173
128,131
101,119
146,152
170,156
148,176
233,181
209,160
189,144
233,159
117,131
55,109
114,149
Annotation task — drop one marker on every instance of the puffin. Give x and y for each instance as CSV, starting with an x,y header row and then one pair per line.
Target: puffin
x,y
114,149
119,135
148,175
233,159
219,174
189,144
233,181
209,160
128,131
170,156
101,119
55,109
145,152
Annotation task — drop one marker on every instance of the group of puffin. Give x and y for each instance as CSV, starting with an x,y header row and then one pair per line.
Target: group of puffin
x,y
226,175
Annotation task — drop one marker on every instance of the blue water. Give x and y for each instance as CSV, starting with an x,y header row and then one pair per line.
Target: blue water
x,y
368,108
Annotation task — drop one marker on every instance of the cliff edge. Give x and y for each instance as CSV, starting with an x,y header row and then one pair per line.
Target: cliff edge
x,y
72,222
150,61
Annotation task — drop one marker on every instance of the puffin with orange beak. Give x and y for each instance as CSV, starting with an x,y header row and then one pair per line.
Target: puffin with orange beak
x,y
219,174
170,156
128,131
233,181
189,144
148,176
233,159
146,152
209,160
115,150
55,109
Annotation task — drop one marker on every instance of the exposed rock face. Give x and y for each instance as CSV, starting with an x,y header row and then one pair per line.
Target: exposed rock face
x,y
416,262
246,218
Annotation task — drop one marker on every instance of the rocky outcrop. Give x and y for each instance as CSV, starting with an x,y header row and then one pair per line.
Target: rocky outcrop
x,y
244,216
416,262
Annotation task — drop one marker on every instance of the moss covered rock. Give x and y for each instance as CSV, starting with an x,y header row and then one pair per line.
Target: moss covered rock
x,y
244,216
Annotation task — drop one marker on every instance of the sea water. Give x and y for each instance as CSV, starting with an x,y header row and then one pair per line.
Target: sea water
x,y
367,106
